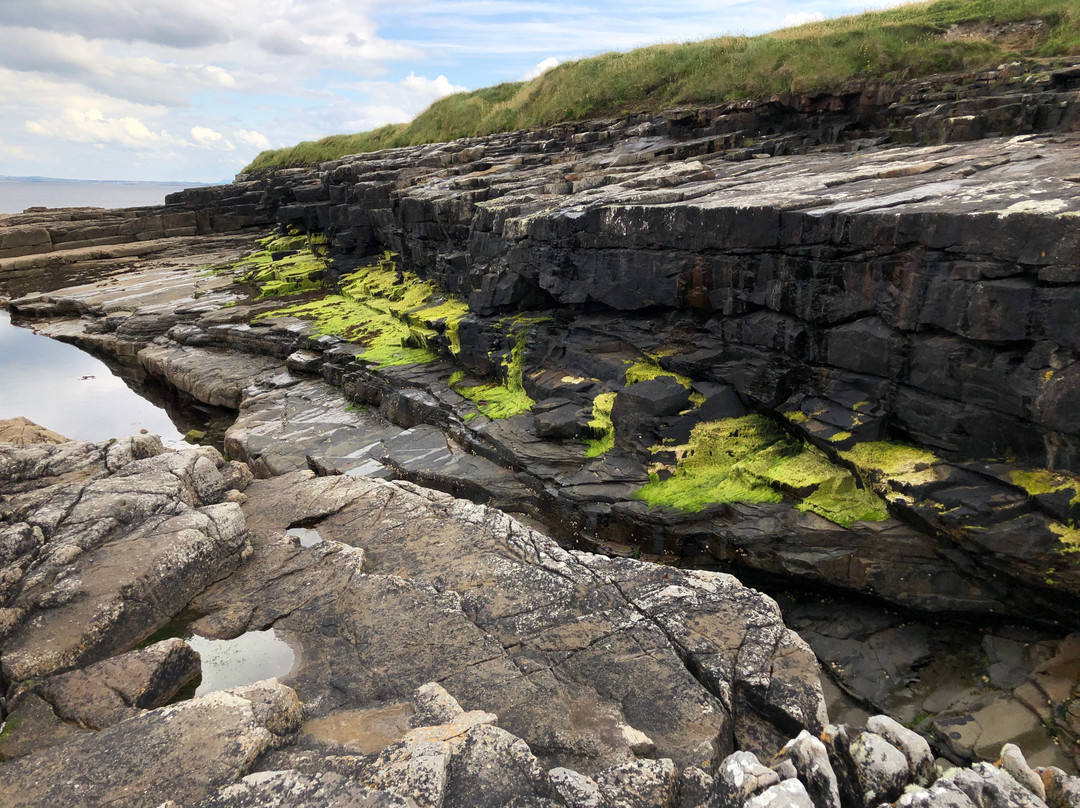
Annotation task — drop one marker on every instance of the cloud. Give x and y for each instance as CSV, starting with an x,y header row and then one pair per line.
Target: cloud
x,y
91,125
191,24
541,68
205,136
398,102
252,138
802,17
280,39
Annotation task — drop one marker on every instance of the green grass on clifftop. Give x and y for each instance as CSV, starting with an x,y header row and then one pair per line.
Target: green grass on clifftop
x,y
894,45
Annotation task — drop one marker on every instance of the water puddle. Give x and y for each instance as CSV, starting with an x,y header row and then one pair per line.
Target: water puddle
x,y
249,658
366,731
243,660
308,536
67,390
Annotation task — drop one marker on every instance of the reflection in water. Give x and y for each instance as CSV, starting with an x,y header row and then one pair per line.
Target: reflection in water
x,y
69,391
251,657
308,536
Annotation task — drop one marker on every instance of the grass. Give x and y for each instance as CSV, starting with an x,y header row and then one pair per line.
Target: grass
x,y
750,459
890,46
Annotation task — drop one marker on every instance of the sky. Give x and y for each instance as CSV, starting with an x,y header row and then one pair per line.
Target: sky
x,y
193,90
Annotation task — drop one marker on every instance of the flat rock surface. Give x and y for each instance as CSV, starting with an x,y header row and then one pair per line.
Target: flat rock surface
x,y
573,650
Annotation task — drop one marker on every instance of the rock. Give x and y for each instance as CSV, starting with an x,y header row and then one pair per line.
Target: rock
x,y
1062,791
811,760
914,747
322,790
449,592
739,777
127,545
32,725
987,785
639,784
1012,763
881,769
788,794
114,689
150,758
574,789
303,362
693,788
22,431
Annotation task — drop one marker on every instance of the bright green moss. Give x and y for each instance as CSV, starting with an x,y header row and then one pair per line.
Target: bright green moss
x,y
891,459
602,426
301,271
502,400
393,314
1069,536
750,459
647,369
284,243
1042,481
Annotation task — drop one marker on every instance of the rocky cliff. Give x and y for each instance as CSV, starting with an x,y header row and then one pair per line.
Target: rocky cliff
x,y
828,340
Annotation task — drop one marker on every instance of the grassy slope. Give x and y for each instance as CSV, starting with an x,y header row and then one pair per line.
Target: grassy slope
x,y
893,45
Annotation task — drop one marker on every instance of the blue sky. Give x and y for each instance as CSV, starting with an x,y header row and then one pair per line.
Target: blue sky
x,y
160,90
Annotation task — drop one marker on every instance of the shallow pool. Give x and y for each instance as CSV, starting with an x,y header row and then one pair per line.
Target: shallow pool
x,y
67,390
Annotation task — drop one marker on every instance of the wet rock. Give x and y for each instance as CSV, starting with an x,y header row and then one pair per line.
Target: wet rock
x,y
150,758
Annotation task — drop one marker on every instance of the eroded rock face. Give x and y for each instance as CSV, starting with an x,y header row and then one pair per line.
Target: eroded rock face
x,y
181,753
587,658
104,544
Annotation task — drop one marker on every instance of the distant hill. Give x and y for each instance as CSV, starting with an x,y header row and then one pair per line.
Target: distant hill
x,y
185,183
913,40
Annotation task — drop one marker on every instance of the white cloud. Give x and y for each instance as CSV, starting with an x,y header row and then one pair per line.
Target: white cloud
x,y
91,125
256,140
430,89
541,68
205,136
802,17
398,102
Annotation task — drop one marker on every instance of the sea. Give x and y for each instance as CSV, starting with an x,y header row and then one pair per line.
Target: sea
x,y
19,193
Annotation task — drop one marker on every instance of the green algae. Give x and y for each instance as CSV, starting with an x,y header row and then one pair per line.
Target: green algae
x,y
502,400
302,269
750,459
394,314
894,463
647,369
602,426
1038,482
1068,535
